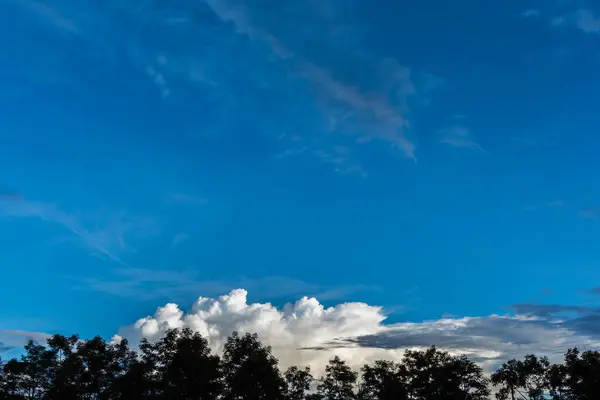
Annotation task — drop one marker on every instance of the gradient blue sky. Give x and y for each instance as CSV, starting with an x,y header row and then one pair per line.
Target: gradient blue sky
x,y
433,158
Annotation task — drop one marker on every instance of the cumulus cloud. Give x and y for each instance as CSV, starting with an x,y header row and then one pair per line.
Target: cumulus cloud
x,y
304,324
307,333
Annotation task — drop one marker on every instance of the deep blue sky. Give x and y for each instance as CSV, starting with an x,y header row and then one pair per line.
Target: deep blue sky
x,y
428,157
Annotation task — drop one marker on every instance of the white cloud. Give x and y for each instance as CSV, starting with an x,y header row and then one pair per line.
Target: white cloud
x,y
13,340
589,212
147,284
587,21
549,204
458,134
159,79
379,112
531,13
49,16
351,98
307,323
583,19
185,198
107,240
532,140
179,238
307,333
379,119
340,158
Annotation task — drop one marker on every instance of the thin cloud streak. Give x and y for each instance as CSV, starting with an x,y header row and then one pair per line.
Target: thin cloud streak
x,y
180,238
185,199
459,135
105,242
144,284
590,212
549,204
371,116
349,114
531,13
48,15
159,80
583,19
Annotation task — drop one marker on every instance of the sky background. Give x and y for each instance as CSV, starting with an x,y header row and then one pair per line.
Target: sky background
x,y
425,170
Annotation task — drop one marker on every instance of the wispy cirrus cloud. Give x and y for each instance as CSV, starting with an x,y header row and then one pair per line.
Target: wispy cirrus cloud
x,y
185,199
592,212
341,159
548,204
179,238
374,109
530,13
321,84
146,284
550,310
547,139
159,79
458,134
594,291
583,19
48,15
107,240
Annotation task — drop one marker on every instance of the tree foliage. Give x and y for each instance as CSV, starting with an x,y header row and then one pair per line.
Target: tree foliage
x,y
339,381
181,366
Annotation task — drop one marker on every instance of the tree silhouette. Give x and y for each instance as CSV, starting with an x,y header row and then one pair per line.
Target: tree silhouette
x,y
67,370
384,380
556,380
180,365
250,370
339,381
434,374
31,376
527,379
581,375
184,367
297,383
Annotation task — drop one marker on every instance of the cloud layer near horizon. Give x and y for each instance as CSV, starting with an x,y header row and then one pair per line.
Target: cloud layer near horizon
x,y
307,333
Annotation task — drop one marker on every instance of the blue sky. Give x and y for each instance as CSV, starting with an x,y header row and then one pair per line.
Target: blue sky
x,y
435,160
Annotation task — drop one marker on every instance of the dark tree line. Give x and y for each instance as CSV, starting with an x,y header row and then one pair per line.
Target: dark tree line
x,y
181,366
